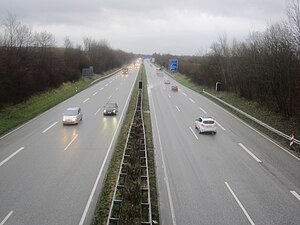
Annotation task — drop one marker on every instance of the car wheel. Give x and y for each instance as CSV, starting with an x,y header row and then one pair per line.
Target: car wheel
x,y
196,127
214,132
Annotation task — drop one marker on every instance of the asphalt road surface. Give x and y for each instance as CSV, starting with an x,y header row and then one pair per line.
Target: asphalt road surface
x,y
52,174
237,176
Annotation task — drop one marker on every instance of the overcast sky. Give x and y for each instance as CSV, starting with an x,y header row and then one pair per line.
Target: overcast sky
x,y
182,27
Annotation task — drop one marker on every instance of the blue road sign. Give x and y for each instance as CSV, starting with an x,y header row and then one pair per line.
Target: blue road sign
x,y
173,65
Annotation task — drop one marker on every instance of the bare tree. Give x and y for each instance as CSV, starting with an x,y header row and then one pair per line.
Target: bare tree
x,y
44,40
293,12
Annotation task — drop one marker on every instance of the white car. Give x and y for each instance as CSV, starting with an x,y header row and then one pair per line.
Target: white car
x,y
72,116
205,125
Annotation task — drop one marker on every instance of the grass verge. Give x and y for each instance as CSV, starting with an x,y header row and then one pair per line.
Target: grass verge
x,y
106,195
15,115
261,112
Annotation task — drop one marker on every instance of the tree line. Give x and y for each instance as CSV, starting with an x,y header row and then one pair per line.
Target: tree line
x,y
30,62
265,67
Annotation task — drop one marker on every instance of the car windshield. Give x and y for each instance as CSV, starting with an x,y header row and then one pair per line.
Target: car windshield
x,y
208,122
110,105
70,112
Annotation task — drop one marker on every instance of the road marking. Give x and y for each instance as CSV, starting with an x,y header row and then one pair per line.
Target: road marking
x,y
100,89
109,97
250,153
12,155
97,111
86,100
243,122
177,108
296,194
95,93
164,166
110,82
71,142
184,94
240,204
202,110
117,89
169,95
44,131
192,100
104,162
194,133
7,217
220,125
106,85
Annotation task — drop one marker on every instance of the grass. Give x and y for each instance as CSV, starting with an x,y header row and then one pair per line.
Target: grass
x,y
150,150
15,115
106,195
261,112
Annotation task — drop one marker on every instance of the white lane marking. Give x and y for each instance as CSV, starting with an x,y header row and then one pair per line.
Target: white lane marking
x,y
177,108
7,217
220,125
117,89
12,155
110,82
44,131
164,165
169,95
296,194
109,97
104,162
202,110
106,85
100,89
240,204
254,130
86,100
97,111
184,94
194,133
71,142
192,100
250,153
95,93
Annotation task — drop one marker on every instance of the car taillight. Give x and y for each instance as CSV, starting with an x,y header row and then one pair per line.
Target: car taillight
x,y
201,124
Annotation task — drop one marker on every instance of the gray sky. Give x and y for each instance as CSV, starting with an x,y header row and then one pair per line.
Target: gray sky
x,y
147,26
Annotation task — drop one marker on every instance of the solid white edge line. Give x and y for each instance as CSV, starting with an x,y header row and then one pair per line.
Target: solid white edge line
x,y
250,153
104,162
194,133
164,164
252,128
86,100
44,131
296,194
95,93
202,110
12,155
71,142
192,100
220,125
177,108
7,217
240,204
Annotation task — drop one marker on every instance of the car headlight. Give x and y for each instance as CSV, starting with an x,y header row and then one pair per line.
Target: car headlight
x,y
64,119
114,111
104,110
73,119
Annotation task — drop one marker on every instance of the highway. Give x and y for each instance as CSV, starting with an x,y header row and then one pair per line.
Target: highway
x,y
237,176
52,174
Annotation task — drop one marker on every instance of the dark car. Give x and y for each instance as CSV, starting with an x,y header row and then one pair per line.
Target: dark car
x,y
110,108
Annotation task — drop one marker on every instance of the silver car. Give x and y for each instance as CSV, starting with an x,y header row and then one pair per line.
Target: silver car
x,y
205,124
72,115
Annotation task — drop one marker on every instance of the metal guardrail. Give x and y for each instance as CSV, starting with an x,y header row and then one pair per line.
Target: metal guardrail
x,y
101,78
287,137
136,140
